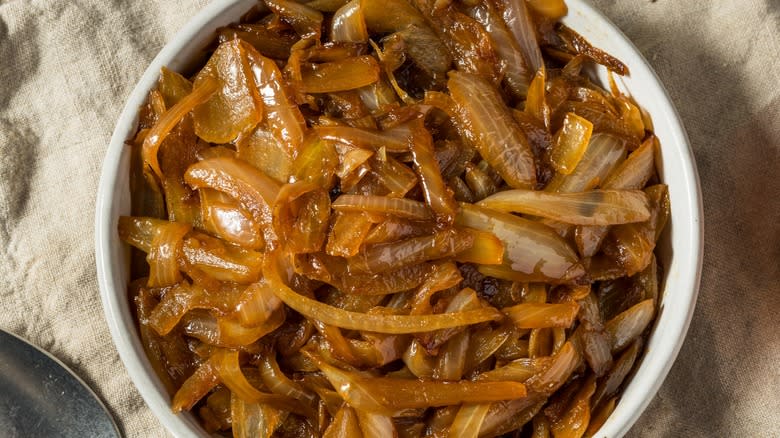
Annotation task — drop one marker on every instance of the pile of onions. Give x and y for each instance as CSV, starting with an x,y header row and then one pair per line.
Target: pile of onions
x,y
395,218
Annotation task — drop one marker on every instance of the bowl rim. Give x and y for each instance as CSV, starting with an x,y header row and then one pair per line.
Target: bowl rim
x,y
648,383
127,342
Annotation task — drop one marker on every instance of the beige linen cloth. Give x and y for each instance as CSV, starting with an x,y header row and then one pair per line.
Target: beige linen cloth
x,y
66,68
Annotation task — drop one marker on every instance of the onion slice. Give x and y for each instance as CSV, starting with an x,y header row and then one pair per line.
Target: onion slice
x,y
538,315
531,248
346,74
399,207
489,125
170,118
391,324
383,394
348,24
596,207
252,188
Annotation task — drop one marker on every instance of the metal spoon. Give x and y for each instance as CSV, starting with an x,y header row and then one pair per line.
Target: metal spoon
x,y
39,396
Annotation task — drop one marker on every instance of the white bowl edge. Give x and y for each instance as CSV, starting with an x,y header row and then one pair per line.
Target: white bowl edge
x,y
112,269
682,274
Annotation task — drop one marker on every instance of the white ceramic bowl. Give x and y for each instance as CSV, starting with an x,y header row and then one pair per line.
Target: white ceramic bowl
x,y
680,250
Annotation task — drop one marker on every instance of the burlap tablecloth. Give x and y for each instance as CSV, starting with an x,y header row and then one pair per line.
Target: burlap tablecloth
x,y
67,66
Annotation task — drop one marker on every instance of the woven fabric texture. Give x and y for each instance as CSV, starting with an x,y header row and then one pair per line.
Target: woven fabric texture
x,y
66,68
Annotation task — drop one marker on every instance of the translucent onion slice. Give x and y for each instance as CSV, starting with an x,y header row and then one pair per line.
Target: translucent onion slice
x,y
374,424
468,420
270,41
223,217
278,383
570,143
179,300
487,249
538,315
227,331
490,127
306,21
636,170
443,275
518,370
628,325
451,360
466,39
348,232
575,419
509,415
168,355
348,24
253,189
391,16
385,394
422,45
536,102
236,107
596,207
346,74
610,384
163,256
552,9
344,425
631,245
531,249
631,174
173,87
400,207
438,196
394,175
596,347
484,343
231,376
222,261
395,139
254,420
391,324
317,163
385,257
350,161
578,44
564,362
604,153
300,216
599,416
520,24
140,231
517,74
396,229
170,118
203,380
282,116
257,304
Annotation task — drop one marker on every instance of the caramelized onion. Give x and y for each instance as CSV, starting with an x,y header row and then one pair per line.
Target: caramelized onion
x,y
596,207
236,107
317,276
255,190
400,207
346,74
490,126
397,324
154,138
